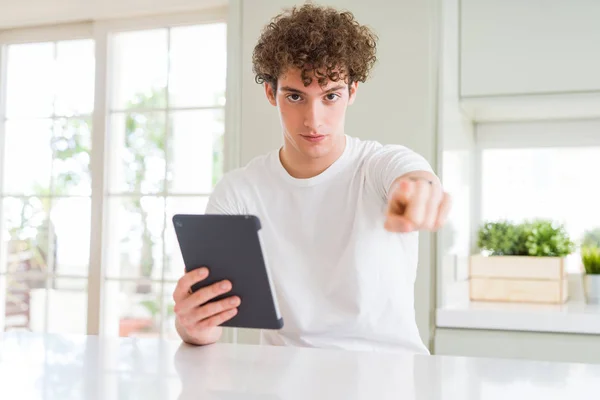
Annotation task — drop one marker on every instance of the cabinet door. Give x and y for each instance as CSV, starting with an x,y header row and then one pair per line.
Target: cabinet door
x,y
529,47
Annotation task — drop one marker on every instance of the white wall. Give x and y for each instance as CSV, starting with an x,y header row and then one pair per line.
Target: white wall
x,y
533,46
44,12
397,106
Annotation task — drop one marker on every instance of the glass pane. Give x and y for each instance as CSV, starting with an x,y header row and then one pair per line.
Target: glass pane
x,y
30,80
174,267
552,183
67,306
195,151
75,77
169,314
26,222
198,65
24,301
134,237
132,308
139,69
137,153
28,156
72,147
70,224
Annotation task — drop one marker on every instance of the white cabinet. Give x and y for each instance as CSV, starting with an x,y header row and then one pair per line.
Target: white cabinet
x,y
516,47
557,347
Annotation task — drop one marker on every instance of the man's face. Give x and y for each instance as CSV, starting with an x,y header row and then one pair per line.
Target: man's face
x,y
312,117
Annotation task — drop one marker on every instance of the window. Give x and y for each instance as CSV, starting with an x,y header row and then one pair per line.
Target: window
x,y
165,155
46,185
163,148
516,171
556,183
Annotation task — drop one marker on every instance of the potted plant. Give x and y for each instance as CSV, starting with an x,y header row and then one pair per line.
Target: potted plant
x,y
520,262
590,257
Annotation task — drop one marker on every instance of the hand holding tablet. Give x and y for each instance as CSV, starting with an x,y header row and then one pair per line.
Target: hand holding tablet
x,y
196,314
227,282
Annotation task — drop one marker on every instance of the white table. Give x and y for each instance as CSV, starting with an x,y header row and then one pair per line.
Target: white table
x,y
54,367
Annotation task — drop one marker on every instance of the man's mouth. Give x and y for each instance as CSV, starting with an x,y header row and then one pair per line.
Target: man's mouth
x,y
313,138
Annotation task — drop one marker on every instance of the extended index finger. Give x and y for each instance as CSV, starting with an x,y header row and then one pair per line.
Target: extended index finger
x,y
187,281
401,193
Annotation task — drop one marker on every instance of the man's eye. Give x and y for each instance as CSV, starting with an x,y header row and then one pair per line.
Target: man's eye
x,y
294,97
332,96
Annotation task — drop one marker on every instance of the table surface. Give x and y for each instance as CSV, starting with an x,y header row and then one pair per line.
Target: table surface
x,y
51,367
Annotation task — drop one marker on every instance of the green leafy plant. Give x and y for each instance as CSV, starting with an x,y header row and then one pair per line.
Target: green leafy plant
x,y
502,238
546,238
590,256
591,238
537,238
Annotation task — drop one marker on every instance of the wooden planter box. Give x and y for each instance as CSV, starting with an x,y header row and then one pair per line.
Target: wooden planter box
x,y
518,279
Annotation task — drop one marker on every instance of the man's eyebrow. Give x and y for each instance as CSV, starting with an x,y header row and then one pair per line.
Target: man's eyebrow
x,y
334,89
292,90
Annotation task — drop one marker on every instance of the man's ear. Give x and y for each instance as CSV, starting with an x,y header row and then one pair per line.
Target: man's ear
x,y
270,94
352,92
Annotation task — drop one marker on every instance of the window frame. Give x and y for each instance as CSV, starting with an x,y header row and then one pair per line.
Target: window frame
x,y
100,32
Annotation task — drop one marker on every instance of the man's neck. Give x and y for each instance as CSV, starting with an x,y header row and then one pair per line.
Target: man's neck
x,y
301,167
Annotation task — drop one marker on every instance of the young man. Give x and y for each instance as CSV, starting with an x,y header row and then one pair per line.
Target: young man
x,y
340,216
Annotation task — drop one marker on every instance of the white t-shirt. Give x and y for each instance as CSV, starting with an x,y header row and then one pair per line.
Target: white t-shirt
x,y
341,280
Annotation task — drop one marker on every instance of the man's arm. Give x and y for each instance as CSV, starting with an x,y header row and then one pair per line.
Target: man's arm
x,y
407,183
420,175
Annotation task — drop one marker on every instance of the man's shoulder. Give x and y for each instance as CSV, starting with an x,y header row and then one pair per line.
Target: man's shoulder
x,y
364,143
369,147
256,167
364,148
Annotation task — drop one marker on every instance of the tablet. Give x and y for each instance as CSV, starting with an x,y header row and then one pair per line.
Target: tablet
x,y
230,247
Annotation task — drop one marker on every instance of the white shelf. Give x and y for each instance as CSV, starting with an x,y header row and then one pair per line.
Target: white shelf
x,y
575,316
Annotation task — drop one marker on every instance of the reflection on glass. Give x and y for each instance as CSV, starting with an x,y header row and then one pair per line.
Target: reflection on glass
x,y
30,80
27,156
195,151
198,65
70,223
174,267
139,69
67,306
26,222
75,77
72,147
24,303
131,312
137,152
134,235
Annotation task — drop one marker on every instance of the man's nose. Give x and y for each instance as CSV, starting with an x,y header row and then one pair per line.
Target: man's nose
x,y
313,119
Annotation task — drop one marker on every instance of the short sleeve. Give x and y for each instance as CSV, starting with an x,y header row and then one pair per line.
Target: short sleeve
x,y
389,162
225,199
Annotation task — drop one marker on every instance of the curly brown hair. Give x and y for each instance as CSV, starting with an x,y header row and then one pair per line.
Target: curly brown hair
x,y
320,41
